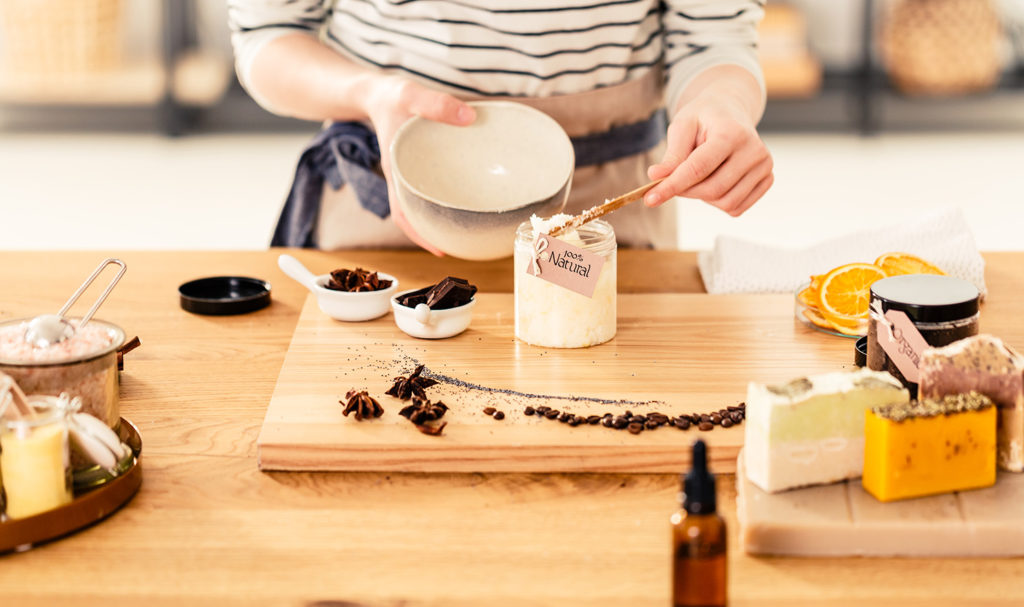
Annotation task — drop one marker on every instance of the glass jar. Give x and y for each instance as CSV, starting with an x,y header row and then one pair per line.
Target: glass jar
x,y
944,309
35,463
553,316
84,366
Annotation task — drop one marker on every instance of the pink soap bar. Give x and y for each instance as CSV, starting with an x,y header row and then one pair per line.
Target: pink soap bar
x,y
985,364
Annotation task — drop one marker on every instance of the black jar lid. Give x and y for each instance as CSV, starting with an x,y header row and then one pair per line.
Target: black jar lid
x,y
927,297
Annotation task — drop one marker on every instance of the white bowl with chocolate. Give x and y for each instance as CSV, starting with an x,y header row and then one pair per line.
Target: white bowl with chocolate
x,y
466,188
347,295
437,311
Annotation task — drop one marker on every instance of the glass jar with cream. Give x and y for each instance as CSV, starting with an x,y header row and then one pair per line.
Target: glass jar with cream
x,y
35,462
556,316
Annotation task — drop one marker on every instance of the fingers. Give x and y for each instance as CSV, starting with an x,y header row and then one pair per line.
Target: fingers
x,y
698,166
681,140
436,106
730,185
755,195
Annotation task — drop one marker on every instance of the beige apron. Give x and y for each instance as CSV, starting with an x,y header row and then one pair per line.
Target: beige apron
x,y
344,224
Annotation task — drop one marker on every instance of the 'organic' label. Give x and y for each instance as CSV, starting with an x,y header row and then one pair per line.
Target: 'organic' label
x,y
902,342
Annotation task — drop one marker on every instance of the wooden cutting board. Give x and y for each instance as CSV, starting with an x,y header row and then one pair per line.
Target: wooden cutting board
x,y
673,353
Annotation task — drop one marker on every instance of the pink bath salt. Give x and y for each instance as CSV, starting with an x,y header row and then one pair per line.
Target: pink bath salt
x,y
89,340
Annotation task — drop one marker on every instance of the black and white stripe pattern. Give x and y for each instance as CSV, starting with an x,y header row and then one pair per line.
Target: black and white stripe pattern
x,y
514,47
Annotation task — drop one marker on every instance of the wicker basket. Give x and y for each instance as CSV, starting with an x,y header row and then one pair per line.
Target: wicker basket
x,y
942,47
60,36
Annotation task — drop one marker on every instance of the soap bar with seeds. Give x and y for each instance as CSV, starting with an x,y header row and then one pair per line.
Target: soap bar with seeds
x,y
930,447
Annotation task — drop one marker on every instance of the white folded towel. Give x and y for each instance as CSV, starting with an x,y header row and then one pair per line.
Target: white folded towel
x,y
942,237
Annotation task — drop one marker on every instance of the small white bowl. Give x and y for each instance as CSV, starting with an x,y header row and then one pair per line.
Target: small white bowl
x,y
425,323
340,305
467,188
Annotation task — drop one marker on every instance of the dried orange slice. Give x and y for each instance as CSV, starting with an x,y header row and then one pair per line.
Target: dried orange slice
x,y
895,264
846,293
816,318
809,297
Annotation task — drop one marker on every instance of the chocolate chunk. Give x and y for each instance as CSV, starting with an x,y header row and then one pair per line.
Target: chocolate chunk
x,y
450,293
414,298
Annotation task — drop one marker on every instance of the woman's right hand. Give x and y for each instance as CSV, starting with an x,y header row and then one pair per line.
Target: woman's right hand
x,y
392,101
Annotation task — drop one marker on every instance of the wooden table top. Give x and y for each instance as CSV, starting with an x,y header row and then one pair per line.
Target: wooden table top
x,y
208,528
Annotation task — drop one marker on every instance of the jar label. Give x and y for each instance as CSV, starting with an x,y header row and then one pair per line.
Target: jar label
x,y
901,340
565,265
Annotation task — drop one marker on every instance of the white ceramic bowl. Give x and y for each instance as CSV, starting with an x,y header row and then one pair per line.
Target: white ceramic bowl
x,y
340,305
467,188
425,323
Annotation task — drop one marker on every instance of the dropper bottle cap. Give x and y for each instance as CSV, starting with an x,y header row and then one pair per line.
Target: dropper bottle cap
x,y
699,484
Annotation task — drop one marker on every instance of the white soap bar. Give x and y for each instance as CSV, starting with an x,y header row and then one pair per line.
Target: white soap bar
x,y
810,431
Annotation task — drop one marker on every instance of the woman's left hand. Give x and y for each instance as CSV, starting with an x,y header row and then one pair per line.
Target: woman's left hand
x,y
713,154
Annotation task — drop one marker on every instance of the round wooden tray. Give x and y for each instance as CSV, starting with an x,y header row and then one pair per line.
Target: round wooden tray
x,y
84,510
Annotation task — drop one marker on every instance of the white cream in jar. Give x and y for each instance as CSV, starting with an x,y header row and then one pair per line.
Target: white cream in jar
x,y
551,315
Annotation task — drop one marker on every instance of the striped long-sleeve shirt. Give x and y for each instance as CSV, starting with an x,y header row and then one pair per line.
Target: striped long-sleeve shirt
x,y
533,48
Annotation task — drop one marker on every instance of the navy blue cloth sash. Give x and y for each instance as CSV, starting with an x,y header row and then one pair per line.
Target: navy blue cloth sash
x,y
348,153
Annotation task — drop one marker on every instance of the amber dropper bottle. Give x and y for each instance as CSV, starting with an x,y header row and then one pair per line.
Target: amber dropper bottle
x,y
698,540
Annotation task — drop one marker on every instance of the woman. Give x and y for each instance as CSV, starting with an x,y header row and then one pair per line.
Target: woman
x,y
605,69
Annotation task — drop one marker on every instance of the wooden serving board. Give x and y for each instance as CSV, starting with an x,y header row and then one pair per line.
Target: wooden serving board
x,y
673,353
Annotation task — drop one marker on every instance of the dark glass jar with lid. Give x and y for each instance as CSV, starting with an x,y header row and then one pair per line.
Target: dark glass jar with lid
x,y
944,309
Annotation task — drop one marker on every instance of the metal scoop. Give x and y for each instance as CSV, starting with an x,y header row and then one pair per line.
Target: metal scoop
x,y
46,330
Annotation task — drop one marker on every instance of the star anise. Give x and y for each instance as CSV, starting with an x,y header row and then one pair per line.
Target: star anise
x,y
414,385
362,404
422,411
357,280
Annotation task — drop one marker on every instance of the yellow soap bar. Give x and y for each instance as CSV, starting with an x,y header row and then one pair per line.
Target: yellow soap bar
x,y
929,447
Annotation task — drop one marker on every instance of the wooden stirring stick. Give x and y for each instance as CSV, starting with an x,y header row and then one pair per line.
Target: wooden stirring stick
x,y
601,210
22,409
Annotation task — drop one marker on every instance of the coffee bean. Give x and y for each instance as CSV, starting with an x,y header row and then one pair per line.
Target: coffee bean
x,y
593,419
573,421
607,416
682,423
619,423
651,424
543,409
564,417
607,422
640,419
726,423
715,418
489,410
551,413
499,415
736,417
529,411
731,408
636,428
705,426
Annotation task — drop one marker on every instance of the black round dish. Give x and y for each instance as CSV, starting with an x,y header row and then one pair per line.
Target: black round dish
x,y
223,295
860,355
